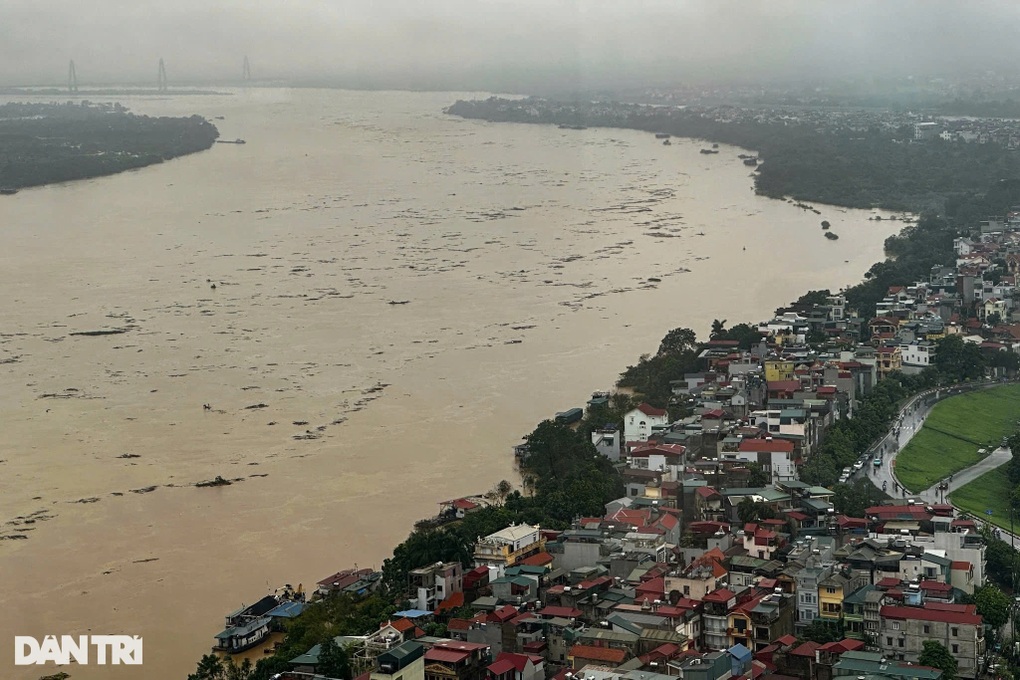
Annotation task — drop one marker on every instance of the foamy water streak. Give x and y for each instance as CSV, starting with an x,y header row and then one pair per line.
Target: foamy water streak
x,y
399,296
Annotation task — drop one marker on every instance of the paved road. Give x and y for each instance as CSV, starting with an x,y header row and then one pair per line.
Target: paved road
x,y
911,419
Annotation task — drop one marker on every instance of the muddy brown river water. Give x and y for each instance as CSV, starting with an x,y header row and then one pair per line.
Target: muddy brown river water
x,y
522,256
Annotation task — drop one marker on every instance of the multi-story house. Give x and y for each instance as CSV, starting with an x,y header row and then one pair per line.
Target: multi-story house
x,y
771,618
957,627
432,584
715,618
808,580
831,591
507,547
639,423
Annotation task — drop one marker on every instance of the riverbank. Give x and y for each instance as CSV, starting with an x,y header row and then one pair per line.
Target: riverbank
x,y
348,201
52,143
837,160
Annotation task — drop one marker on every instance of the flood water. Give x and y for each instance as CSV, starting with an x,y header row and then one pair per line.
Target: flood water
x,y
520,256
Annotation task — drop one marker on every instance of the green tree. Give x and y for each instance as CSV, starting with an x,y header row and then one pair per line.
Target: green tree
x,y
752,511
718,328
958,360
241,671
333,661
937,656
758,477
677,341
852,499
822,632
210,667
993,606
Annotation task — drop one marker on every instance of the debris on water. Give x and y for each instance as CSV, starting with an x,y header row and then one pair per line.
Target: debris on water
x,y
219,481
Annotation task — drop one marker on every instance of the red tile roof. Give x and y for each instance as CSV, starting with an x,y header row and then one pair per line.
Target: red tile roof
x,y
540,560
651,411
806,649
560,612
403,625
458,624
766,445
519,661
455,601
930,612
706,492
500,667
598,653
960,565
722,595
443,655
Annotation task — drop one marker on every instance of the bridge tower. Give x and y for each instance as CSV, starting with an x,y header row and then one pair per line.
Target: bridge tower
x,y
161,82
246,70
72,78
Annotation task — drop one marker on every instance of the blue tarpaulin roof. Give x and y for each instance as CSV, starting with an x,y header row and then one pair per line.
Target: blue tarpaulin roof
x,y
287,610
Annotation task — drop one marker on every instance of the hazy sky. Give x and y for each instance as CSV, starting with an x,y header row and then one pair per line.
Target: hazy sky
x,y
469,43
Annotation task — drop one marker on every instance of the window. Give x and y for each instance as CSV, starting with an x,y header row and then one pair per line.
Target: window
x,y
955,632
927,629
956,649
830,590
900,641
896,625
888,642
687,590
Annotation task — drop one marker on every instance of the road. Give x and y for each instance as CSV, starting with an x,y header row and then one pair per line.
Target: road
x,y
910,421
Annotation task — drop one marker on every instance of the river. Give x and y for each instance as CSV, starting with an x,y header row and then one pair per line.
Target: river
x,y
258,279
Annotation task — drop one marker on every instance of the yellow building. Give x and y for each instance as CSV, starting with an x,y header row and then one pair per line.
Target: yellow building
x,y
831,592
507,547
778,369
889,359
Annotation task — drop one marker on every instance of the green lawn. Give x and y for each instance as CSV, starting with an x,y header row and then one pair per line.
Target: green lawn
x,y
990,491
953,433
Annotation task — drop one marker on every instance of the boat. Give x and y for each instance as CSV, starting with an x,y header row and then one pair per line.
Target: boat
x,y
231,141
572,127
666,142
751,161
661,135
708,151
829,235
7,191
700,233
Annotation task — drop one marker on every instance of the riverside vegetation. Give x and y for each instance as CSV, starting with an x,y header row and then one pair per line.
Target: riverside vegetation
x,y
858,169
564,477
48,143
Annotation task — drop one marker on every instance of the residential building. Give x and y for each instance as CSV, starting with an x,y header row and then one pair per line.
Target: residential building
x,y
639,423
508,546
433,584
957,627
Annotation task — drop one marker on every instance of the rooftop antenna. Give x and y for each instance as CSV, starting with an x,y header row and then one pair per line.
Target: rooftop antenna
x,y
161,81
246,70
72,78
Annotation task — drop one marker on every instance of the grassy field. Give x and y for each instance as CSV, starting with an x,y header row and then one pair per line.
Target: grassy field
x,y
990,491
953,433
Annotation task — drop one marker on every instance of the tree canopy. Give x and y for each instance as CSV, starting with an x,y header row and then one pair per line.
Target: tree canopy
x,y
936,655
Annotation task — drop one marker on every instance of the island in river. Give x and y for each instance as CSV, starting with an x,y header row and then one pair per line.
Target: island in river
x,y
44,143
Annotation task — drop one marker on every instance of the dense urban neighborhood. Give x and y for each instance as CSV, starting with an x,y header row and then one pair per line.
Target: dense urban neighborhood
x,y
716,516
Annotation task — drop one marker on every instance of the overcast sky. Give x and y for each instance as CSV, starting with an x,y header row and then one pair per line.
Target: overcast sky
x,y
485,43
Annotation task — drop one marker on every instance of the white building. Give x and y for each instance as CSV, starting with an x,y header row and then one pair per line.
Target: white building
x,y
638,424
